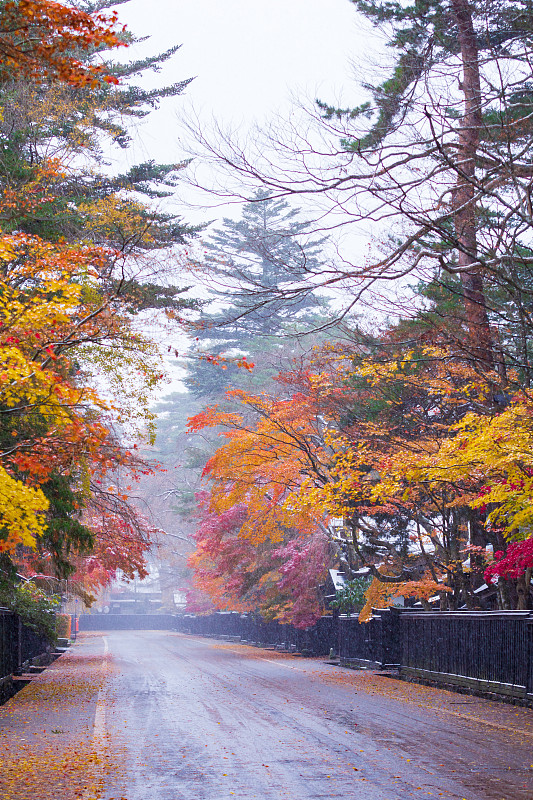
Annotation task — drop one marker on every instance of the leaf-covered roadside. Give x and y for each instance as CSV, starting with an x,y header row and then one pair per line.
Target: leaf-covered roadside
x,y
46,734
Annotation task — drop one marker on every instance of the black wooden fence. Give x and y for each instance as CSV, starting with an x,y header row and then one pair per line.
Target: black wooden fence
x,y
9,646
490,651
374,644
32,645
250,629
19,645
487,650
315,641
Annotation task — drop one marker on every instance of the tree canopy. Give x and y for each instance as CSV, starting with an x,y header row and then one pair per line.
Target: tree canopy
x,y
80,258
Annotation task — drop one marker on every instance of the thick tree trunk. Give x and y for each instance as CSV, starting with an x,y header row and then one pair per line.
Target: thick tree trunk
x,y
523,588
504,593
463,198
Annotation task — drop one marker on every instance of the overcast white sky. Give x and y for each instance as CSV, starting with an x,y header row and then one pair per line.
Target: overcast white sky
x,y
249,59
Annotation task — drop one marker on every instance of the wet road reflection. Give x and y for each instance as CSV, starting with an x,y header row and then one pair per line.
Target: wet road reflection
x,y
195,719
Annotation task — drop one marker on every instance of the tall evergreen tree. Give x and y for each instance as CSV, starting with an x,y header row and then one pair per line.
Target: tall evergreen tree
x,y
253,265
436,163
47,121
469,146
50,119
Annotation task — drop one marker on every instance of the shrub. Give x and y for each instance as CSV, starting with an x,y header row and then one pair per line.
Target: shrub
x,y
63,626
35,608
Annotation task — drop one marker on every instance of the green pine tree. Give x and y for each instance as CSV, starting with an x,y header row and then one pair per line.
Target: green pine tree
x,y
253,264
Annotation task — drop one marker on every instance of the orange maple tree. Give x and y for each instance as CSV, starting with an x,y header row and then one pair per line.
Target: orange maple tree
x,y
75,373
56,319
39,39
257,546
345,441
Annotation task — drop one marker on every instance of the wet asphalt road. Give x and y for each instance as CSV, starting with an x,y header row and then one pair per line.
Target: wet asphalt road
x,y
195,719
